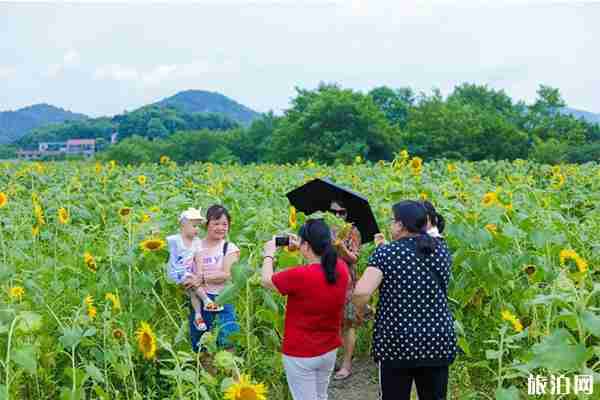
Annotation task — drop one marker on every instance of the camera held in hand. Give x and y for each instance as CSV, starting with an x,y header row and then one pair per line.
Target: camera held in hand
x,y
281,241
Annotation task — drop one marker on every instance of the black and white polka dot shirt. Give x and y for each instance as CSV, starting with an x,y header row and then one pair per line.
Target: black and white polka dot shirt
x,y
414,326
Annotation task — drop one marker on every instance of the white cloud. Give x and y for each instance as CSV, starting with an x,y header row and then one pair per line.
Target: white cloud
x,y
159,74
71,59
116,72
7,72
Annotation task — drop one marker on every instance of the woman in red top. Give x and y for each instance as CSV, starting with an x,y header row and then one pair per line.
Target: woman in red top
x,y
316,297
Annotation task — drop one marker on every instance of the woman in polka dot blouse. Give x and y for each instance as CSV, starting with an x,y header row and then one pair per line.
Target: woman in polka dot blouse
x,y
414,337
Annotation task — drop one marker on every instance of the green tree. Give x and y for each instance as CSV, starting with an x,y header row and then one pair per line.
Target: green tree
x,y
156,129
395,104
330,123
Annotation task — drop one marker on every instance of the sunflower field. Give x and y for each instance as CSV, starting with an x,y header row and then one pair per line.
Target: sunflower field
x,y
87,311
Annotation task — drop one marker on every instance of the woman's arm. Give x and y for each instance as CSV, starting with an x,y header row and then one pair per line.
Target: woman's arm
x,y
267,268
225,275
366,286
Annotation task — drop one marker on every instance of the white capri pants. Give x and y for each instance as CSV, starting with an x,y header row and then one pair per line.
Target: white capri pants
x,y
308,377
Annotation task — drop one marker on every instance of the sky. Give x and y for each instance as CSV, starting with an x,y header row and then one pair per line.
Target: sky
x,y
102,58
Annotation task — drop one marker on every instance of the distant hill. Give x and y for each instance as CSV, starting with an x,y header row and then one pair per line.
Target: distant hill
x,y
191,101
586,115
16,124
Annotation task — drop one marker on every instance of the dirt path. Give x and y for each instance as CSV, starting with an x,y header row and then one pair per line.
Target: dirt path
x,y
363,384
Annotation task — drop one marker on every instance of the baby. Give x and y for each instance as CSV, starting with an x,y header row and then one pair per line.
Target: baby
x,y
183,248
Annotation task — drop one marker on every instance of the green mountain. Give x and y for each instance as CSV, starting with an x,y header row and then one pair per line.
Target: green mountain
x,y
191,101
586,115
16,124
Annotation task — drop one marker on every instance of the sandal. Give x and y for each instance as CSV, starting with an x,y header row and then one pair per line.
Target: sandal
x,y
213,307
343,373
199,323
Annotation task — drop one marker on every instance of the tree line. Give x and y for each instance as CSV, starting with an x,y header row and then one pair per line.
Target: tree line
x,y
331,124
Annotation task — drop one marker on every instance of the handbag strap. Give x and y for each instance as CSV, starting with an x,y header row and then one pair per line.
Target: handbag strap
x,y
225,245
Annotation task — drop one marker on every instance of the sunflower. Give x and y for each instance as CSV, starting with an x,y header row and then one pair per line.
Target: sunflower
x,y
423,196
404,155
112,165
452,168
292,218
244,389
416,163
114,299
492,228
88,300
63,215
152,244
16,293
118,334
142,179
92,311
124,211
164,160
145,218
510,317
489,199
3,199
39,214
35,230
146,341
98,167
568,254
90,261
559,180
155,209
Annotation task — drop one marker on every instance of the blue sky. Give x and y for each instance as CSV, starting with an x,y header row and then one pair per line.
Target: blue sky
x,y
104,58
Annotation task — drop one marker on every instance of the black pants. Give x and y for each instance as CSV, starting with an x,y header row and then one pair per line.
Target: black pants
x,y
396,383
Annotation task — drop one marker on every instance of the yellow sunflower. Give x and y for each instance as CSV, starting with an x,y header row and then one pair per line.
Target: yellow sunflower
x,y
510,317
489,199
92,311
568,254
404,155
112,164
114,299
452,168
3,199
39,214
145,218
142,179
90,261
164,160
423,196
146,341
154,209
63,215
35,230
416,163
293,218
152,244
88,300
492,228
244,389
98,167
16,293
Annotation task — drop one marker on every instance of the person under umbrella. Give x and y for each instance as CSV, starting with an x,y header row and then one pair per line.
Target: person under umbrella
x,y
349,250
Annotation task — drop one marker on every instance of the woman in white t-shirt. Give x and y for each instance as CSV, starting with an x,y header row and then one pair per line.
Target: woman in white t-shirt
x,y
217,255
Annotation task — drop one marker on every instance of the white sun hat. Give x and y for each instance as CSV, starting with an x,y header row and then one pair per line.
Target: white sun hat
x,y
191,214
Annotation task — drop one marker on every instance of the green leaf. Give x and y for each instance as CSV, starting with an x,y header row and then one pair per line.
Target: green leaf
x,y
492,354
556,352
228,294
94,373
512,393
204,393
240,273
29,322
26,358
591,322
225,383
71,337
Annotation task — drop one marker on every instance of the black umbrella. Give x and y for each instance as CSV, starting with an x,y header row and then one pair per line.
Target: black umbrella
x,y
318,194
